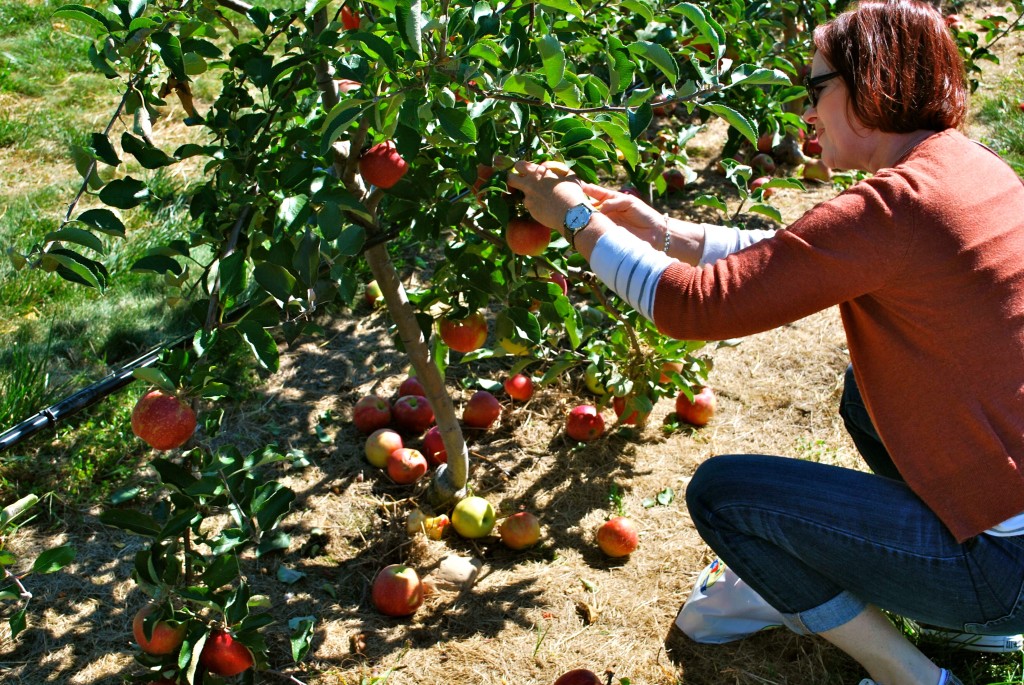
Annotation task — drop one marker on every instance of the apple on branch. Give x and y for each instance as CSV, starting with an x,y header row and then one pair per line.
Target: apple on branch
x,y
464,335
527,237
382,166
164,637
162,420
223,655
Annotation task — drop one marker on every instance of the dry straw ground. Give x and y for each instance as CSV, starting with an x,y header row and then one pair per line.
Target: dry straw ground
x,y
532,615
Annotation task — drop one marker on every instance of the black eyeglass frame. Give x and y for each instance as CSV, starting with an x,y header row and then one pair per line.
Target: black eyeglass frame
x,y
810,84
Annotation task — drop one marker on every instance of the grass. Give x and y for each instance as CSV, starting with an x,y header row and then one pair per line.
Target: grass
x,y
1002,116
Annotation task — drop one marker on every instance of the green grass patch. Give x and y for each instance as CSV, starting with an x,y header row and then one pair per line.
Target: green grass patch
x,y
1002,116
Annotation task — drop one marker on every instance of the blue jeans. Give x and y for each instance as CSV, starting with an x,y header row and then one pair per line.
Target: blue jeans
x,y
820,543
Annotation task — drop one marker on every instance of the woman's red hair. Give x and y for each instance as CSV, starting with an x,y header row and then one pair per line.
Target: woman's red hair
x,y
900,64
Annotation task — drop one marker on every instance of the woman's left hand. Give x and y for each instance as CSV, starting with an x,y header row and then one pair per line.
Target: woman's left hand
x,y
548,195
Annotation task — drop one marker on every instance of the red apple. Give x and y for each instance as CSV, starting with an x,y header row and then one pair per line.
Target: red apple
x,y
349,19
584,423
371,413
527,237
1020,106
519,387
163,421
411,386
667,368
464,335
381,443
225,656
579,676
520,530
406,466
346,85
397,590
766,142
954,21
817,170
166,637
482,410
413,414
812,148
630,190
433,447
700,410
618,536
561,281
674,179
484,172
760,181
763,162
382,166
634,418
372,294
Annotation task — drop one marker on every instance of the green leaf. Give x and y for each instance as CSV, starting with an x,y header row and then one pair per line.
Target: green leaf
x,y
409,16
710,201
149,157
17,622
7,558
735,119
270,503
553,59
666,497
102,220
156,377
233,274
568,6
767,210
262,344
222,571
289,576
314,6
639,120
658,56
457,124
88,15
275,279
637,7
158,264
750,75
70,234
170,53
343,114
124,193
125,494
301,636
104,150
131,521
78,269
54,559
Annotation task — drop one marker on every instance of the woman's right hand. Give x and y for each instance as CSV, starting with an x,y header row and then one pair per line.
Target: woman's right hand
x,y
630,212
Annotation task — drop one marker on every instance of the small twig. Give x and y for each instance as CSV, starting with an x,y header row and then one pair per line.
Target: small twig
x,y
22,590
285,676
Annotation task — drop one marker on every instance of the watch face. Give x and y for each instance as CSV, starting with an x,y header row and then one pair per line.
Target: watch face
x,y
577,217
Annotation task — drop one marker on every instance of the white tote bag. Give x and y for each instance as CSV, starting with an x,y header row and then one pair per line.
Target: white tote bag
x,y
722,608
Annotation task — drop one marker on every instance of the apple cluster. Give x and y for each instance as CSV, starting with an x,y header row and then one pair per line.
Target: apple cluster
x,y
221,655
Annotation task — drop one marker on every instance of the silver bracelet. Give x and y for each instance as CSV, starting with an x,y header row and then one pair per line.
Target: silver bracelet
x,y
668,236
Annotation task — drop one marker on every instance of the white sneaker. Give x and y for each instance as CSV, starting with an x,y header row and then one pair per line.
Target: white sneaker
x,y
972,642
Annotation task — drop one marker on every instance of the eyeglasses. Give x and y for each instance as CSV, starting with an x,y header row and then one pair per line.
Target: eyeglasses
x,y
811,84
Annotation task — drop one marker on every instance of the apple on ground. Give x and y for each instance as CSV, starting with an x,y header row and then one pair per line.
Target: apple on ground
x,y
223,655
372,294
165,636
379,446
674,179
162,420
406,466
473,517
763,162
412,414
349,19
370,413
482,410
635,417
579,676
382,166
817,170
697,412
520,530
411,386
760,181
431,526
464,335
618,536
527,237
397,590
1020,105
811,147
584,423
433,447
519,387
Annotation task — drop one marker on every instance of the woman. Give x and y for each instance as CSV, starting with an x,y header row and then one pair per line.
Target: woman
x,y
926,261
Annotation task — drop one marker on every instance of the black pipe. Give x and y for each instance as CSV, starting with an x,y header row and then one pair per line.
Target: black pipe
x,y
48,418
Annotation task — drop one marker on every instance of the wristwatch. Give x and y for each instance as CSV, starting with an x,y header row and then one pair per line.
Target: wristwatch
x,y
576,219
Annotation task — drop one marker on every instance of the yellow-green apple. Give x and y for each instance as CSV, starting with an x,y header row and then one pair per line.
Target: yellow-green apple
x,y
520,530
584,423
635,417
411,386
579,676
372,294
349,19
382,166
763,162
811,147
406,466
592,378
817,170
162,420
397,590
380,444
618,536
431,526
760,181
698,411
412,414
482,410
519,387
165,636
433,447
223,655
464,335
527,237
473,517
370,413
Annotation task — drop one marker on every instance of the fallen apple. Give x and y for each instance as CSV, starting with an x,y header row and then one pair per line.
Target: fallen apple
x,y
674,179
406,465
697,412
584,423
397,590
520,530
519,387
763,162
812,147
382,166
473,517
165,636
527,237
379,446
464,335
431,526
372,294
223,655
579,676
817,170
162,420
370,413
411,386
482,410
433,447
618,537
412,414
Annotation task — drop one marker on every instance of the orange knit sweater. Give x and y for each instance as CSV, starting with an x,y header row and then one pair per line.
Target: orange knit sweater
x,y
926,263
